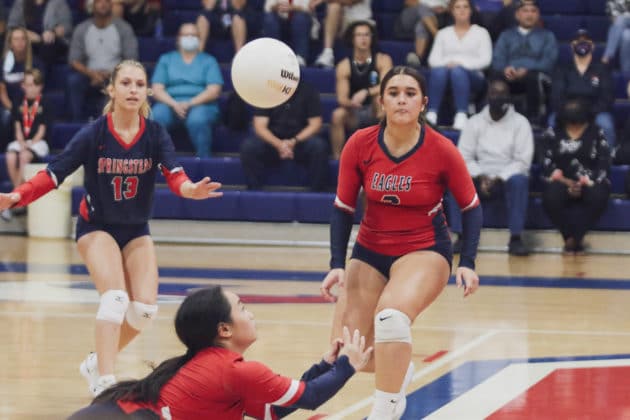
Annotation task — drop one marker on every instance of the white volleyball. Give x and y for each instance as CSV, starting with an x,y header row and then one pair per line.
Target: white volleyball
x,y
265,72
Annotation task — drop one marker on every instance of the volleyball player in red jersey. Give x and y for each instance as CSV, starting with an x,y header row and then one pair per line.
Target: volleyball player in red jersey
x,y
402,257
213,381
121,152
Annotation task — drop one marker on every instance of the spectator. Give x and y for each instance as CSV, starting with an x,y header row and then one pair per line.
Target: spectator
x,y
224,19
358,84
282,16
339,15
416,21
16,58
524,56
576,164
142,15
186,85
460,53
31,118
583,78
49,25
504,19
98,45
288,132
497,145
618,34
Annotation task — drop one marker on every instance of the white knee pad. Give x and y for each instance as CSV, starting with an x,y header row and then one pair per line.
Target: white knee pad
x,y
391,325
114,304
140,315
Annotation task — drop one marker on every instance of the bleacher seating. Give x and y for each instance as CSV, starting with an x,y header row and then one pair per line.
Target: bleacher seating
x,y
287,201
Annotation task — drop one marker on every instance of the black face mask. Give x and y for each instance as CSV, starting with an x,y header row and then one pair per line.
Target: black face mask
x,y
498,106
583,48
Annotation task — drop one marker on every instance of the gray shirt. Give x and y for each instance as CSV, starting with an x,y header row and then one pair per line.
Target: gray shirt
x,y
82,52
106,42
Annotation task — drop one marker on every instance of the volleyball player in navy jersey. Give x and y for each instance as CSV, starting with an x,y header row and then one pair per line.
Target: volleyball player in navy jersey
x,y
120,152
402,256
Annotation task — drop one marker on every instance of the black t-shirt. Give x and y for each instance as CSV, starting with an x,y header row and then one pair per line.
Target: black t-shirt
x,y
288,119
42,116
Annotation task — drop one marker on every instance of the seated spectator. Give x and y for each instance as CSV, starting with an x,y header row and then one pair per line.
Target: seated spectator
x,y
358,84
186,86
142,15
524,57
416,21
339,15
31,118
622,151
98,44
576,164
504,19
288,132
584,79
498,145
223,19
213,381
618,34
49,25
459,55
16,58
292,18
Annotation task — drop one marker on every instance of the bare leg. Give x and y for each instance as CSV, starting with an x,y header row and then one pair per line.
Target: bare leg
x,y
203,26
141,277
26,157
11,159
331,24
102,257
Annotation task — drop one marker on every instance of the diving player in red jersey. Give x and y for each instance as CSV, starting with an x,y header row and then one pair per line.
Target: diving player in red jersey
x,y
402,257
121,152
213,381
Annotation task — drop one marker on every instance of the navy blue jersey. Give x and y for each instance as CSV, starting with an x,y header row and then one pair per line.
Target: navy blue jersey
x,y
119,178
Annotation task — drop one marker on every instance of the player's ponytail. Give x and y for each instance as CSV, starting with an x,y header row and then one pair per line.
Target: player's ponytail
x,y
409,71
145,108
197,325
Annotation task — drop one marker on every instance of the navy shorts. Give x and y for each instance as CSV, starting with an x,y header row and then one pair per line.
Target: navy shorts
x,y
122,234
383,263
111,411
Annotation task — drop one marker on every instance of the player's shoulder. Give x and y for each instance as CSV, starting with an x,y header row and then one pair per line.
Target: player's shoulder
x,y
363,138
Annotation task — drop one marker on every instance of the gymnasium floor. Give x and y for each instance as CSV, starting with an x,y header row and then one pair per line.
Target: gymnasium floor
x,y
545,337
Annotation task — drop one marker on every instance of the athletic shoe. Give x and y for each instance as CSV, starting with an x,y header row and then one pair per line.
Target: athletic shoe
x,y
89,370
102,383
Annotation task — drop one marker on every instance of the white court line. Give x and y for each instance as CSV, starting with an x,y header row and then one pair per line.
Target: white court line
x,y
46,314
495,392
448,358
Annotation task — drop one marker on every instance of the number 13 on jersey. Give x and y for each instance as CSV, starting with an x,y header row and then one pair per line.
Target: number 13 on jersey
x,y
125,187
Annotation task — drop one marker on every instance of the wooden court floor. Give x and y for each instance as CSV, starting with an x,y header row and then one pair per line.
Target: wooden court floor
x,y
530,313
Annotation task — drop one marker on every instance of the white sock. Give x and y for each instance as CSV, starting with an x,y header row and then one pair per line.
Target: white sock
x,y
408,378
328,50
384,405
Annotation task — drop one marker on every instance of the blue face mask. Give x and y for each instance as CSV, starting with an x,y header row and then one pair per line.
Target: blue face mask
x,y
583,48
189,43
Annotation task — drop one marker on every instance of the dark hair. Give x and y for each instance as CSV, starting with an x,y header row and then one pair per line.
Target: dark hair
x,y
196,325
499,85
451,5
348,35
408,71
575,110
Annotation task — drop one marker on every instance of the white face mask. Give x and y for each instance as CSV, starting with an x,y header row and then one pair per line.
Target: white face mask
x,y
189,42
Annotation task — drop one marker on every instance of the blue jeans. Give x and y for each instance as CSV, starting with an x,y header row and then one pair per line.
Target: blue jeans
x,y
199,122
619,38
299,27
516,194
604,120
463,84
78,90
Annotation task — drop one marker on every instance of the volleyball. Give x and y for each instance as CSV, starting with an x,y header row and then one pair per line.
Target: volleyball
x,y
265,72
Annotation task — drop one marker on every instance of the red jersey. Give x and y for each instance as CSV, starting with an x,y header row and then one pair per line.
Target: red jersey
x,y
404,194
218,384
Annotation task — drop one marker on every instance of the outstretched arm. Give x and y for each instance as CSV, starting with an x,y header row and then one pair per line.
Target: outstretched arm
x,y
28,192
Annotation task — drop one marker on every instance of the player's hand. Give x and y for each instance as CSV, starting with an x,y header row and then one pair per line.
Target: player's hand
x,y
354,348
334,276
201,190
9,199
335,347
468,279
